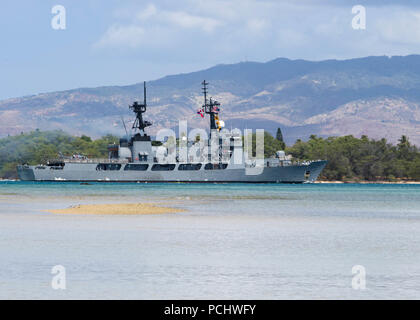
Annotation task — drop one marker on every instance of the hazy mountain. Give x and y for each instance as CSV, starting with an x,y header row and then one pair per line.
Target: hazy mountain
x,y
377,96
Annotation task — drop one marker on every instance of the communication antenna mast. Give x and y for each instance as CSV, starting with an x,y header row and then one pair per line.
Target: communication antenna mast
x,y
144,95
204,83
125,128
139,109
212,108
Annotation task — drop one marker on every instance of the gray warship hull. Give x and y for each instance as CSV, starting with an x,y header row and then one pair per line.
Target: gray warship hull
x,y
86,172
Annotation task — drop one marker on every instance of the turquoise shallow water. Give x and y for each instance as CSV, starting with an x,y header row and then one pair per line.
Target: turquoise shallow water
x,y
243,241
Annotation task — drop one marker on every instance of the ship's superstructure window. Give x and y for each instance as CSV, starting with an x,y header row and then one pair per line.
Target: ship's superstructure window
x,y
142,157
108,166
55,165
189,166
215,166
163,167
136,167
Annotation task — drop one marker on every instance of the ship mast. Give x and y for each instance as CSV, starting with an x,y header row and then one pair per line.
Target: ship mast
x,y
204,83
139,109
212,108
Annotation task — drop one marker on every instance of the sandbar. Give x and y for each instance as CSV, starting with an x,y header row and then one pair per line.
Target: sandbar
x,y
117,209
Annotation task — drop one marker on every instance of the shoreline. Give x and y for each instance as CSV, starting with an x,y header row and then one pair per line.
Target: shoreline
x,y
317,181
367,182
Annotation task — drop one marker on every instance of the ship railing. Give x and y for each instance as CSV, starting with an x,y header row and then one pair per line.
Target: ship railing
x,y
302,162
287,163
88,160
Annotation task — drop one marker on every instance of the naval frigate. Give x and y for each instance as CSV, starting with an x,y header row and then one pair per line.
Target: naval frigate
x,y
135,159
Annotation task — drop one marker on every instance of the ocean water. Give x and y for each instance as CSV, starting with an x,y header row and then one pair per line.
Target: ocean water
x,y
234,241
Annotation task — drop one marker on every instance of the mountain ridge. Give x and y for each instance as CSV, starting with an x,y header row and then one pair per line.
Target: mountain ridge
x,y
377,95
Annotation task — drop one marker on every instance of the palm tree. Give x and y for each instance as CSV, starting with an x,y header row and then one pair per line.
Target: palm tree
x,y
404,142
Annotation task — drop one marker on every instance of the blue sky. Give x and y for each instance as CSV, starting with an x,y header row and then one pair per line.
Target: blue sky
x,y
124,42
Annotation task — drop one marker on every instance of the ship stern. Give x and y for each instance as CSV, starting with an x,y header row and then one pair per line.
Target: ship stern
x,y
25,173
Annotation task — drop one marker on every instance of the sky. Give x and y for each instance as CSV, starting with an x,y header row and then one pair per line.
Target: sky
x,y
112,42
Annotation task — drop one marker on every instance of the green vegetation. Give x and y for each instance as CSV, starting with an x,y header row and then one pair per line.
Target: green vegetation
x,y
354,159
279,137
271,145
349,158
37,147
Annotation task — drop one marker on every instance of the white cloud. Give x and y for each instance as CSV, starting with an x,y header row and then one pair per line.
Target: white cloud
x,y
151,24
185,20
117,35
223,31
147,13
257,25
399,26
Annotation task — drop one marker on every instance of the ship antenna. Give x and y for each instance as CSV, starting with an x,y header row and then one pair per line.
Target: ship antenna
x,y
139,109
144,84
212,108
125,128
204,83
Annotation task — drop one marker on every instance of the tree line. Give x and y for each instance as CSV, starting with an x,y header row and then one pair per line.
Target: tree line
x,y
349,158
38,146
353,159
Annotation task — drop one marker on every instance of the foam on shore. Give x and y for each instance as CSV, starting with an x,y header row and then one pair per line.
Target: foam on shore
x,y
117,209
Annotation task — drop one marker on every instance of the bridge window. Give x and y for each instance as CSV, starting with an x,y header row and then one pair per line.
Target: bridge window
x,y
163,167
136,167
189,166
215,166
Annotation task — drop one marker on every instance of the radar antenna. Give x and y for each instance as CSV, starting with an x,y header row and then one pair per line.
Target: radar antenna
x,y
139,109
211,107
